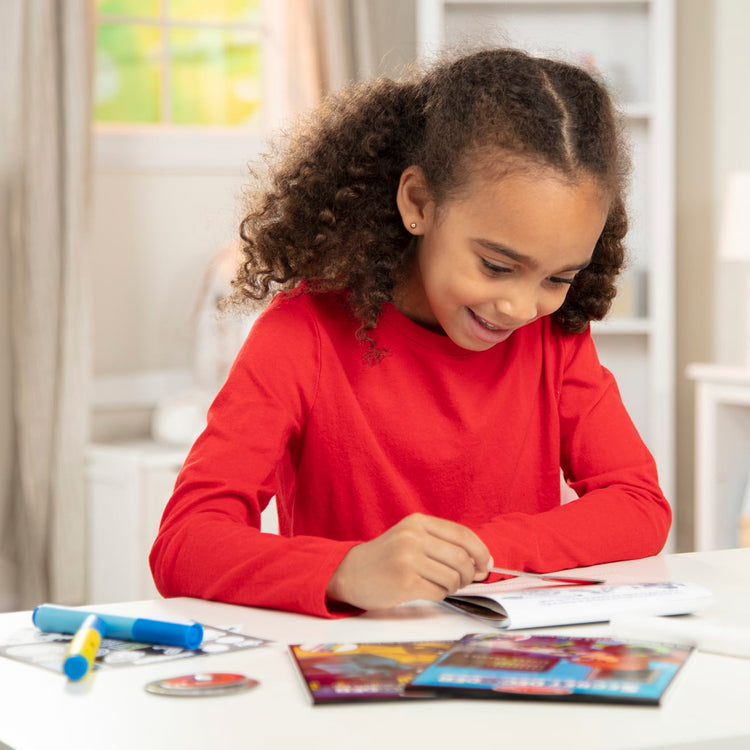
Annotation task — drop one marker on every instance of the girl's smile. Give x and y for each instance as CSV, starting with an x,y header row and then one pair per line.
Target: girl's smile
x,y
500,256
486,331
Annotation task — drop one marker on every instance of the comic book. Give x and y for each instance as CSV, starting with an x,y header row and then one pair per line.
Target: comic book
x,y
554,667
339,672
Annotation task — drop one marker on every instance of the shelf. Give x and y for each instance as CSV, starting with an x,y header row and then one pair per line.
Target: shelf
x,y
719,374
622,326
637,111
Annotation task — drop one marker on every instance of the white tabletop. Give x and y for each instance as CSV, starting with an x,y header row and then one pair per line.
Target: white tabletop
x,y
707,707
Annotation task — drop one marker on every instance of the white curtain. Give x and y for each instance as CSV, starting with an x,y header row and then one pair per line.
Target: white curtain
x,y
335,42
45,85
320,56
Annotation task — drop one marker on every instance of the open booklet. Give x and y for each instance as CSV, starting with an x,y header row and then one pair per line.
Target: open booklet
x,y
504,605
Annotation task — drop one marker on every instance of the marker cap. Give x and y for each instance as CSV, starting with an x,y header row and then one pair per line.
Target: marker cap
x,y
76,666
83,648
168,633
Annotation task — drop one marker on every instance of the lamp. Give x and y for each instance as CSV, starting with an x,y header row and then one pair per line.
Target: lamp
x,y
734,240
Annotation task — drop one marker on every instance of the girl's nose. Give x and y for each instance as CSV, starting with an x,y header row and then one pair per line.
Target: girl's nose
x,y
518,305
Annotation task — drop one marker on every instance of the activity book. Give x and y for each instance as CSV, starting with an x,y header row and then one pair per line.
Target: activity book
x,y
353,672
554,667
494,665
503,605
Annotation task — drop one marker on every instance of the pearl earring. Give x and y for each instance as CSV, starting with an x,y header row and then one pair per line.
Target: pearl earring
x,y
413,225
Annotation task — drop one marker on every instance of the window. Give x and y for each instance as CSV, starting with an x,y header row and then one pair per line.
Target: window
x,y
185,83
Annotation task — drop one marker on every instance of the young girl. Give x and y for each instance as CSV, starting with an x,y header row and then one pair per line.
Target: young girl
x,y
426,369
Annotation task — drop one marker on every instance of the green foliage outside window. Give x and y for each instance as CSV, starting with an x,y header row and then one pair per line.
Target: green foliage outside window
x,y
179,62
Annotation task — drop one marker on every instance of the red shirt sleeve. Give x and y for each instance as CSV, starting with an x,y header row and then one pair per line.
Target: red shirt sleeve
x,y
209,543
621,513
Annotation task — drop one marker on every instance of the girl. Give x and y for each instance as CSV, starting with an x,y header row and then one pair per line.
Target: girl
x,y
426,370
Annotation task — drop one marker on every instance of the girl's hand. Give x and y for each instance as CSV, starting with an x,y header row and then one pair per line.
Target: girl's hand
x,y
421,557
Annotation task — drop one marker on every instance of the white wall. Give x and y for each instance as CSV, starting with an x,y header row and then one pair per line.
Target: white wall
x,y
153,235
731,153
713,109
694,231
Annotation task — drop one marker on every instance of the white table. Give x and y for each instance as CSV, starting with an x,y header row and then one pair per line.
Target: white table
x,y
707,707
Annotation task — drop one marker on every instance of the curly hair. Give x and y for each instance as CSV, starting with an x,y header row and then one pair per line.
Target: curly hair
x,y
327,214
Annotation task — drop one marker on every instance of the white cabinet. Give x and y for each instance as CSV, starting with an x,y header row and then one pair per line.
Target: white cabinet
x,y
722,455
128,486
632,44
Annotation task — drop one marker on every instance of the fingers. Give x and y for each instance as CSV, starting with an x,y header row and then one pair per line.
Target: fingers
x,y
421,557
458,547
448,578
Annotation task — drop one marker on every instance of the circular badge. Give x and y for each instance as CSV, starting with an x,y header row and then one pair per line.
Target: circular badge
x,y
201,684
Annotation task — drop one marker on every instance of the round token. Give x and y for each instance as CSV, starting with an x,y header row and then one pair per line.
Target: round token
x,y
201,684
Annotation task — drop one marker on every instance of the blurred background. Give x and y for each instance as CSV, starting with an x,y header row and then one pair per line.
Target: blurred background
x,y
126,133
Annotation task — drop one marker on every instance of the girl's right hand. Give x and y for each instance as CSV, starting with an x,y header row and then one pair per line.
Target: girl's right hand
x,y
421,557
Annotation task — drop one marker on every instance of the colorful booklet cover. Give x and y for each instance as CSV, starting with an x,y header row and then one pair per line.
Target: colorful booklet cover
x,y
562,668
502,605
340,672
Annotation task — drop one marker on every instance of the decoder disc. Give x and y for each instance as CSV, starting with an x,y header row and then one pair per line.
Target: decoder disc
x,y
201,684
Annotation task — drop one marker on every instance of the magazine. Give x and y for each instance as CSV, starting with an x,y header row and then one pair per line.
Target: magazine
x,y
562,668
546,606
340,672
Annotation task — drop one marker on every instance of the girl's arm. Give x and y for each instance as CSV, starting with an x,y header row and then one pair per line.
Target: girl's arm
x,y
209,544
621,512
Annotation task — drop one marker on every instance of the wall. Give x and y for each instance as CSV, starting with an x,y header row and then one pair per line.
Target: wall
x,y
713,62
154,235
694,202
730,153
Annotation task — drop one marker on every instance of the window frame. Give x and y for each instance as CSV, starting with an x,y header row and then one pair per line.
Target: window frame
x,y
172,148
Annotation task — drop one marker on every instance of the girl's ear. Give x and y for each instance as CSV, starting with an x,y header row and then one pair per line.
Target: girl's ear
x,y
414,200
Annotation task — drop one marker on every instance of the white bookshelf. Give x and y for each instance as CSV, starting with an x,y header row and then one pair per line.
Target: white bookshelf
x,y
632,43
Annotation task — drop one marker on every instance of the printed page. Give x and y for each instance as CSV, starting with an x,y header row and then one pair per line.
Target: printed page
x,y
569,605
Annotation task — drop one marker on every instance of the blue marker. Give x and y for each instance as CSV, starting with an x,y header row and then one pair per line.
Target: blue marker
x,y
82,649
53,619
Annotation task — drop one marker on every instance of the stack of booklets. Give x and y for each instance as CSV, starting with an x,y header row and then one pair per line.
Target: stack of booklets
x,y
491,665
514,664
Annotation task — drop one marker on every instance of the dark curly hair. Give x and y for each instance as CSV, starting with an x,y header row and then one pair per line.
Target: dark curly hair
x,y
328,215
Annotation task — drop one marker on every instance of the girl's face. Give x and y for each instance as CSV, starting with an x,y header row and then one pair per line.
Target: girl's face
x,y
499,257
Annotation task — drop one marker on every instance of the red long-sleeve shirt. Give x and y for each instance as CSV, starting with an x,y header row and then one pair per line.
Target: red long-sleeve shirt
x,y
349,448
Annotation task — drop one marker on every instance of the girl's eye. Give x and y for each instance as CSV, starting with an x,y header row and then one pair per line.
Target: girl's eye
x,y
558,280
493,269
